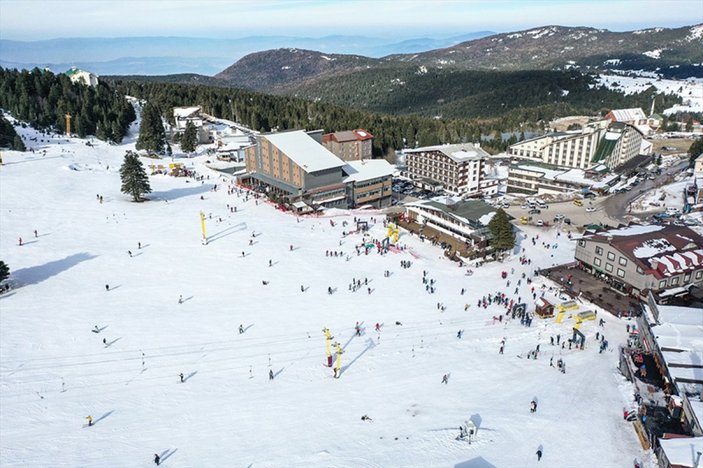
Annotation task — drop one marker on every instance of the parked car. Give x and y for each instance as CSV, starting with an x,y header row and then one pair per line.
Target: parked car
x,y
505,205
590,209
534,212
578,202
567,221
523,220
673,211
559,217
540,222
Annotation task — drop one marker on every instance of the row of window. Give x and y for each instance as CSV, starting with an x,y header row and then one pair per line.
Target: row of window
x,y
675,280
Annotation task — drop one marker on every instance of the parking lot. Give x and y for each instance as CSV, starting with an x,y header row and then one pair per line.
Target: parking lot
x,y
578,215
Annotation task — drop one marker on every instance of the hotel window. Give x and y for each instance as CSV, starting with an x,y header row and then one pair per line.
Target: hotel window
x,y
611,256
621,273
687,277
596,261
640,270
582,243
609,267
675,281
599,250
662,284
699,274
622,261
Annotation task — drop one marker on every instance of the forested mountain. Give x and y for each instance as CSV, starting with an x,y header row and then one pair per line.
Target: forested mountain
x,y
271,69
453,93
43,99
558,47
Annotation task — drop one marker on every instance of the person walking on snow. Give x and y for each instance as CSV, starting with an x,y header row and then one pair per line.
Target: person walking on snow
x,y
357,327
90,420
533,406
181,376
271,374
157,459
107,287
180,299
241,329
539,454
20,241
445,379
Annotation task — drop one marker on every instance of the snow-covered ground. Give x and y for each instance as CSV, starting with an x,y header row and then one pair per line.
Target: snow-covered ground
x,y
54,371
690,90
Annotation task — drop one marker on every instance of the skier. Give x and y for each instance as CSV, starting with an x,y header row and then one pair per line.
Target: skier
x,y
35,233
533,406
270,264
329,289
291,247
105,341
90,420
539,454
20,241
107,287
180,299
357,328
157,459
445,379
378,327
181,376
130,253
139,245
366,418
271,374
241,329
96,329
302,289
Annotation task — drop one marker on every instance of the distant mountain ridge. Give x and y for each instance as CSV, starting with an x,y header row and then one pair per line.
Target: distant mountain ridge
x,y
176,55
674,51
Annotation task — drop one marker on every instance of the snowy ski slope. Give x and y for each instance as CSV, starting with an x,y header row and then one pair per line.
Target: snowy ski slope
x,y
54,371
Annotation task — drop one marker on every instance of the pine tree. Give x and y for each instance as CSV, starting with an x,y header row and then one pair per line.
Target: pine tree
x,y
18,144
134,179
190,138
151,131
4,271
502,231
695,150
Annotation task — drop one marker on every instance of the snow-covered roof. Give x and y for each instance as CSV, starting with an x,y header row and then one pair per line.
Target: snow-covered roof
x,y
304,150
652,247
457,152
633,230
682,451
183,112
357,134
680,315
358,171
628,115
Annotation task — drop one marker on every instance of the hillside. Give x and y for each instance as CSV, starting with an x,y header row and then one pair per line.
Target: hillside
x,y
555,47
673,52
271,69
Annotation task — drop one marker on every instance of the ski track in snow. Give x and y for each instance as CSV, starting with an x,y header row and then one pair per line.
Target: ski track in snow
x,y
222,417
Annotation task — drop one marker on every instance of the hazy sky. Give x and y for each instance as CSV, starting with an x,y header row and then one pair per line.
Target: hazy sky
x,y
44,19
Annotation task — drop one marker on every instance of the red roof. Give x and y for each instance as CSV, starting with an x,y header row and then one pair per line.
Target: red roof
x,y
358,134
664,252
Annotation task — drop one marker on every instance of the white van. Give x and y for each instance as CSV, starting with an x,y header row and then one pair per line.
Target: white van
x,y
541,204
673,211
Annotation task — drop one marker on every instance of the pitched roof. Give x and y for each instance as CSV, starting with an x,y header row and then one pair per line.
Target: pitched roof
x,y
304,150
457,152
663,250
348,135
368,169
184,112
466,210
627,115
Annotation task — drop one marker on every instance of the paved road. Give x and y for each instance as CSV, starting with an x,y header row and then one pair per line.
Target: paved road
x,y
615,206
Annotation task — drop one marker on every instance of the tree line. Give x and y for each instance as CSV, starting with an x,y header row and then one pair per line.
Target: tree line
x,y
9,137
43,99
